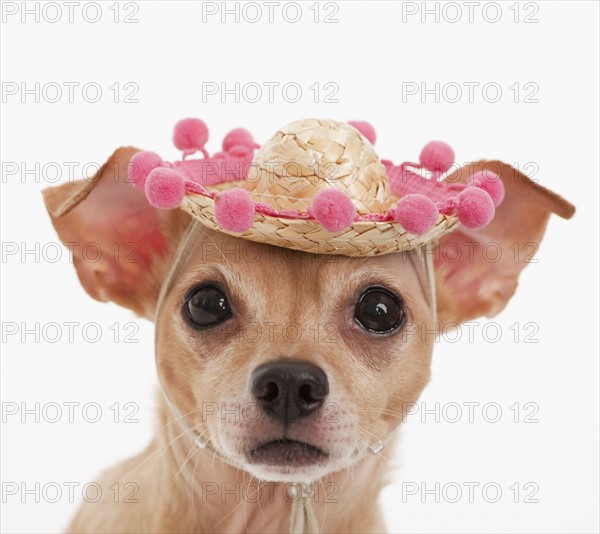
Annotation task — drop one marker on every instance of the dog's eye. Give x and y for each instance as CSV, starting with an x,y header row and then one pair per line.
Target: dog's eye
x,y
379,311
207,306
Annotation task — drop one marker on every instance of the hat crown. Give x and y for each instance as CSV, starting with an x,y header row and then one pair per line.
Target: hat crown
x,y
308,156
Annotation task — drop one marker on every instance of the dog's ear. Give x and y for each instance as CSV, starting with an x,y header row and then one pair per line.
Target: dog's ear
x,y
121,245
477,270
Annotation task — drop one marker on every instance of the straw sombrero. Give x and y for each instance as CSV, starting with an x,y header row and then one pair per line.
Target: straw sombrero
x,y
316,186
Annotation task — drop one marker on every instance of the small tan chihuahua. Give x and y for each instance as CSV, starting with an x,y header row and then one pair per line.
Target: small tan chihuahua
x,y
284,371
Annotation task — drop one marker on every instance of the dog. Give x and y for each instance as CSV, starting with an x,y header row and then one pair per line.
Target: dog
x,y
284,361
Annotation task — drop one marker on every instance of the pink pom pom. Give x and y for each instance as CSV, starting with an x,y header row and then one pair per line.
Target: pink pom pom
x,y
239,137
140,166
437,156
190,135
333,210
234,210
475,207
491,183
165,188
366,129
415,213
240,151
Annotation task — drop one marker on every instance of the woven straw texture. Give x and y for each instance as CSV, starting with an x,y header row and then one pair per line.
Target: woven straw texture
x,y
300,160
361,239
309,155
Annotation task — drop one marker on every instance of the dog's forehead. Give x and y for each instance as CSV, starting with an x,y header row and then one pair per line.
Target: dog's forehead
x,y
253,267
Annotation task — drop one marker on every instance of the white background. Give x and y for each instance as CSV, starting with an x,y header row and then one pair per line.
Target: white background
x,y
369,53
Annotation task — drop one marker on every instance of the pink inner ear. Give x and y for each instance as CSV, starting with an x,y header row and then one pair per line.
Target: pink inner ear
x,y
475,281
122,215
115,237
478,270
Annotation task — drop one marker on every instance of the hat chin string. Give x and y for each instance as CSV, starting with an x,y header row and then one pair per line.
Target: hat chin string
x,y
302,516
425,253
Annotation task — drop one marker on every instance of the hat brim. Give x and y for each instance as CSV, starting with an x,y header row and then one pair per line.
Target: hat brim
x,y
362,238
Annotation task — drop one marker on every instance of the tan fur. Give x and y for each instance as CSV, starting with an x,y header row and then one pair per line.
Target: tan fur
x,y
373,379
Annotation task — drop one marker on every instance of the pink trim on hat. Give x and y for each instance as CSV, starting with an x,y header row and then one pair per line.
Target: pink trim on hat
x,y
421,199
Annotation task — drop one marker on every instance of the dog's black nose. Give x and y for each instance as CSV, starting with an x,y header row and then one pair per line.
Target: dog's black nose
x,y
289,390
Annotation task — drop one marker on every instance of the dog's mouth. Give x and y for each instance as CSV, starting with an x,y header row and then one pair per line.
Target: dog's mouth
x,y
287,453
